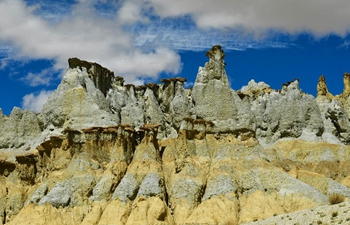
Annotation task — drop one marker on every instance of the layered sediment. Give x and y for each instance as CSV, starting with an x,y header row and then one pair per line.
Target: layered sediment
x,y
105,152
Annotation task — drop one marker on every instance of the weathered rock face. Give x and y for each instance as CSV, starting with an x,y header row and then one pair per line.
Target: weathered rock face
x,y
102,77
211,90
105,152
76,103
19,128
288,113
322,89
335,111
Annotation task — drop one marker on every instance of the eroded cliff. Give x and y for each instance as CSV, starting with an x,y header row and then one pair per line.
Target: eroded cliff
x,y
105,152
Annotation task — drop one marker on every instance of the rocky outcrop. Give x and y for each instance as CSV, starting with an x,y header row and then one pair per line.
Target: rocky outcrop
x,y
105,152
76,103
211,90
102,77
334,111
346,91
19,128
322,89
286,113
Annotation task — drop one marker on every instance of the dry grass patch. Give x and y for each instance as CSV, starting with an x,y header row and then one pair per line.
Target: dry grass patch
x,y
336,198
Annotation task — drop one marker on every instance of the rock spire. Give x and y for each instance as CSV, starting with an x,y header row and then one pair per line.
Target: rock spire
x,y
215,68
322,89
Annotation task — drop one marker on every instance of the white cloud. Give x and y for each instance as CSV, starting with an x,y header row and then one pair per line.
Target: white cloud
x,y
35,101
321,17
131,12
83,34
42,78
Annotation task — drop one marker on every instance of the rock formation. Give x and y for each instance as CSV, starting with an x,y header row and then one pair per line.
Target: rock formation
x,y
322,89
105,152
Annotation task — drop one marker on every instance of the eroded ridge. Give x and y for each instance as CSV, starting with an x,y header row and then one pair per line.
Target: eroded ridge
x,y
105,152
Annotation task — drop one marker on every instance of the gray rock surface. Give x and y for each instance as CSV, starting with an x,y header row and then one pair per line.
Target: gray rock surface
x,y
77,103
335,114
220,185
187,189
286,114
133,112
19,128
101,76
151,186
58,196
127,188
38,194
211,90
102,189
254,87
70,192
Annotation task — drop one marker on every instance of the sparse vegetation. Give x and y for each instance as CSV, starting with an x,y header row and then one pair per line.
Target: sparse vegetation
x,y
336,198
334,214
319,222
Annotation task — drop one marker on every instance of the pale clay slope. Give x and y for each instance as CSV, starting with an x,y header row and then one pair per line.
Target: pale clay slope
x,y
104,152
334,214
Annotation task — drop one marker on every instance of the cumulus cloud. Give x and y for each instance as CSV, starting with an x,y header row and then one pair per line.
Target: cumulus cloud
x,y
131,12
34,101
84,34
320,17
42,78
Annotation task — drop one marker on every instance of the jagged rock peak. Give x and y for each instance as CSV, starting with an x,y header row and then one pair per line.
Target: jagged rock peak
x,y
215,68
216,53
101,76
322,89
119,81
254,88
346,80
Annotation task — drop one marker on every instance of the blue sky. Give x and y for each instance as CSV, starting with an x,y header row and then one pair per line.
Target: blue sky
x,y
145,40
